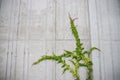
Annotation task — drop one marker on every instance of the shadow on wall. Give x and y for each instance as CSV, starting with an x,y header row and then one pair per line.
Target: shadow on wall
x,y
0,3
119,3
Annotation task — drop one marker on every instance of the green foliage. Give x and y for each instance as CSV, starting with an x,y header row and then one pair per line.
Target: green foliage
x,y
79,57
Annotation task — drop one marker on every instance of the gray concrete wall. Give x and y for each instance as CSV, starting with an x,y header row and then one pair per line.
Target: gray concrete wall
x,y
32,28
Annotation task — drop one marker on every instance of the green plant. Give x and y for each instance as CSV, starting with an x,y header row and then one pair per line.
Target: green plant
x,y
79,57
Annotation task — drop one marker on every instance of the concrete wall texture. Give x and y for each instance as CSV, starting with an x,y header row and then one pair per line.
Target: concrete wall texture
x,y
32,28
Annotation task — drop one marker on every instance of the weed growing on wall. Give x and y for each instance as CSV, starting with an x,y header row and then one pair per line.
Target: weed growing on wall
x,y
78,58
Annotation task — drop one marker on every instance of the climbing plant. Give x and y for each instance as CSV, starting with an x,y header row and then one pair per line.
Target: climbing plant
x,y
78,58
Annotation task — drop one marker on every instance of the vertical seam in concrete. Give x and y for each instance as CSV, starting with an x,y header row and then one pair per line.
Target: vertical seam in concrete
x,y
28,63
26,73
28,49
45,42
10,39
7,63
108,10
98,39
7,55
19,18
18,24
6,72
88,14
55,4
24,62
100,21
14,37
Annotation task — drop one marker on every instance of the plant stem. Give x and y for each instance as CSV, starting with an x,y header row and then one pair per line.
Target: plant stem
x,y
90,73
77,76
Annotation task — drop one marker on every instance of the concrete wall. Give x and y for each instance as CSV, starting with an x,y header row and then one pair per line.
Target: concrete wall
x,y
32,28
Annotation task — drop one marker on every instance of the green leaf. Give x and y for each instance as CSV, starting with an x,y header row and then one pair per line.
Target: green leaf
x,y
63,65
85,52
68,52
90,63
82,65
72,62
65,69
92,49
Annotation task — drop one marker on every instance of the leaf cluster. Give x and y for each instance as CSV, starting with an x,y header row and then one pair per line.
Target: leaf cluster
x,y
79,57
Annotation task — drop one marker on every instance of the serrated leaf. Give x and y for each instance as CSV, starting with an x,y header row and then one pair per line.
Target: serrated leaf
x,y
63,65
65,70
59,61
72,62
69,52
82,64
94,48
